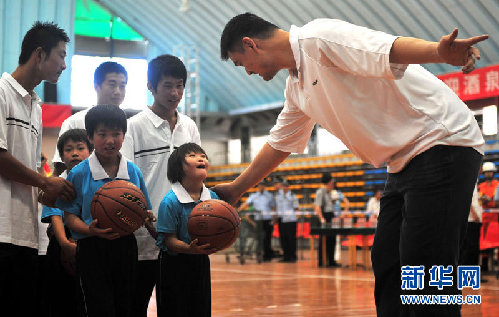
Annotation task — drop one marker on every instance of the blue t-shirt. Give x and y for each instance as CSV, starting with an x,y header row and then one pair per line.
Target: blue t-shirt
x,y
48,212
173,216
85,187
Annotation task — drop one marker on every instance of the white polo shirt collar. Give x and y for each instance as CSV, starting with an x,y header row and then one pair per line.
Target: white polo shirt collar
x,y
25,95
293,40
98,172
157,121
184,197
295,75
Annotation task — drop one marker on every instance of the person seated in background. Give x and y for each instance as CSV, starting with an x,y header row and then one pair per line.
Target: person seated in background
x,y
373,205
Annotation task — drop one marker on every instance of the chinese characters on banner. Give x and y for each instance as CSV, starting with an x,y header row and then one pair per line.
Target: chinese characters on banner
x,y
481,83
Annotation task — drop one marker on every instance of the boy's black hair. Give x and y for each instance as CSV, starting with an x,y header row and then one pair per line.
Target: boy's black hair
x,y
326,178
108,115
108,67
46,35
246,24
165,65
75,135
175,171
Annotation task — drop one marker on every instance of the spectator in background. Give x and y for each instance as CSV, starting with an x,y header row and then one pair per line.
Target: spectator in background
x,y
338,199
248,229
488,187
264,203
372,209
286,207
324,208
470,252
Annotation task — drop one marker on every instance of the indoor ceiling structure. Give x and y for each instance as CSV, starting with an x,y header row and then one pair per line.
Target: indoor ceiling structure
x,y
169,23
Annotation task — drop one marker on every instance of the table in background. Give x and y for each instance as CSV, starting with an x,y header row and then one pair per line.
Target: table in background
x,y
352,248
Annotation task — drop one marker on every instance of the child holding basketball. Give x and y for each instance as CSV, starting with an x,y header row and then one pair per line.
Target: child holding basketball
x,y
106,261
65,297
184,265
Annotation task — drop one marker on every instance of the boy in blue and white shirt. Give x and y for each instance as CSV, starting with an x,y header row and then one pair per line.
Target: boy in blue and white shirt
x,y
106,260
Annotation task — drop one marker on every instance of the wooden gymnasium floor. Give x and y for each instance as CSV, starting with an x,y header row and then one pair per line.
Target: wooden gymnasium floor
x,y
302,289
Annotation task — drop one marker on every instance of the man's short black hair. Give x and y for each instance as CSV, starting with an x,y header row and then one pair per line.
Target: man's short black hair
x,y
246,24
108,67
75,135
175,171
46,35
108,115
326,178
165,65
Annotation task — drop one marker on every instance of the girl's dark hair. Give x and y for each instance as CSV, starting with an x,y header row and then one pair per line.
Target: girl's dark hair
x,y
108,115
175,162
75,135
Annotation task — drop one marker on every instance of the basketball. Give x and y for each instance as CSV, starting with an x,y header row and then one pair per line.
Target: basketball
x,y
215,222
119,205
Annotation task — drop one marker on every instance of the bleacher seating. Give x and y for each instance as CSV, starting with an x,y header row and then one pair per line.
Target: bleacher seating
x,y
356,180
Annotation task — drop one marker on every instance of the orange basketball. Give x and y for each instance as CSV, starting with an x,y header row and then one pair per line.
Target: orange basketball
x,y
119,205
215,222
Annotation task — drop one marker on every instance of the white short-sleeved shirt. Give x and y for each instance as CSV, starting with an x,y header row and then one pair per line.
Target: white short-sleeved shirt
x,y
76,121
43,239
383,112
148,143
264,203
21,136
286,205
373,206
476,205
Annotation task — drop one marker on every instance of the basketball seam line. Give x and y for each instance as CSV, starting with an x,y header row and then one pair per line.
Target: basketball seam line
x,y
120,204
118,224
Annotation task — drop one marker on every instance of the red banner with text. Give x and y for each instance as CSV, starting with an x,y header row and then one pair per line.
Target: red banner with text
x,y
479,84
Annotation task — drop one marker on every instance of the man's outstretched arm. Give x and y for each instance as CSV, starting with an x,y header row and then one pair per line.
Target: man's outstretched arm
x,y
450,50
264,163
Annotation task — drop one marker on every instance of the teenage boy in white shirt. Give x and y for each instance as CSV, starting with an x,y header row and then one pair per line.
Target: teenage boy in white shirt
x,y
42,58
152,136
364,87
110,79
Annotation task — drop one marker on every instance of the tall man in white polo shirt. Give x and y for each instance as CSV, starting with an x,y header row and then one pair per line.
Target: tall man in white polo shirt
x,y
152,136
110,80
42,58
364,87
